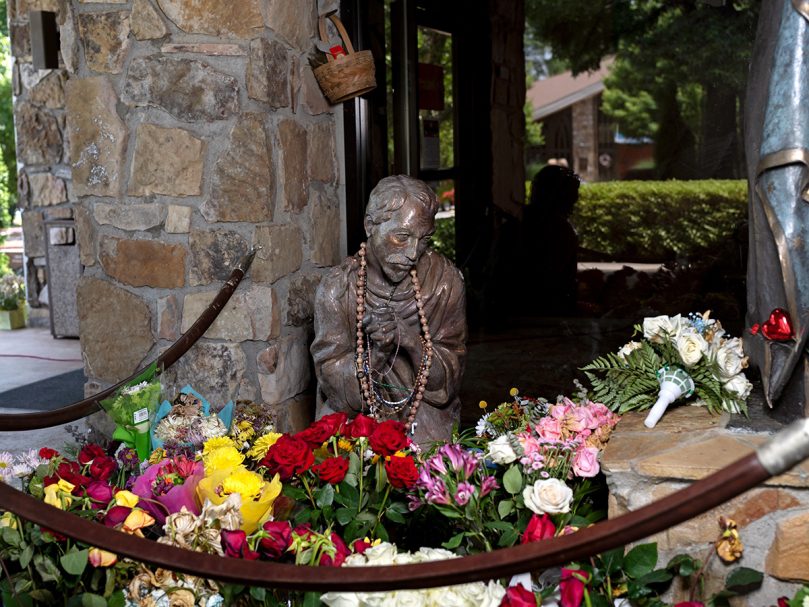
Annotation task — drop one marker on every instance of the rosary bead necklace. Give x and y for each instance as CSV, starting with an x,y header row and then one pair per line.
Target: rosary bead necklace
x,y
378,406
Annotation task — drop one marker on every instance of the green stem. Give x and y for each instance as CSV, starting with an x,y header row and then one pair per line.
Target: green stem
x,y
381,509
309,491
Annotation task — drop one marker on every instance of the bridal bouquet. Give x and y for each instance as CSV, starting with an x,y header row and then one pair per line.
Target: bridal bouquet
x,y
676,357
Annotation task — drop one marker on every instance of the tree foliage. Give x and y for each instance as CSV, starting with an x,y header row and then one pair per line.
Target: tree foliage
x,y
8,161
680,69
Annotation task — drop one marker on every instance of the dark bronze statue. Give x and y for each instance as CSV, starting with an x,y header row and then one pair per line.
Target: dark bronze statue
x,y
777,148
390,322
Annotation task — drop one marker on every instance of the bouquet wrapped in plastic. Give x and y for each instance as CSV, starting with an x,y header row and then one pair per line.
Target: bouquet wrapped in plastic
x,y
168,486
189,421
133,409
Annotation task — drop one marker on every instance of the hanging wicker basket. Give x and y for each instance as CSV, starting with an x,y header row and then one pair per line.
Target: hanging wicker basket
x,y
346,76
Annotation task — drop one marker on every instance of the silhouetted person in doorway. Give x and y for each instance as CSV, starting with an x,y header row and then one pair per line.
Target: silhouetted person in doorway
x,y
548,243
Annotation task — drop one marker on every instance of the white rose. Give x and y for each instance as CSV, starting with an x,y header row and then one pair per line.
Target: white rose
x,y
449,596
341,599
627,349
730,358
658,328
549,496
408,598
500,451
691,346
738,386
381,554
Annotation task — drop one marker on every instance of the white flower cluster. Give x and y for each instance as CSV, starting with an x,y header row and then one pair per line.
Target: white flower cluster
x,y
702,339
476,594
19,466
129,390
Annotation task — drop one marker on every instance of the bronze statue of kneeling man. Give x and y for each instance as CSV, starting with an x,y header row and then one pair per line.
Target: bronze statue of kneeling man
x,y
390,321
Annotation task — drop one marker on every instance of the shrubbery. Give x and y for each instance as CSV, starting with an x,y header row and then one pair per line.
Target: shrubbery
x,y
658,220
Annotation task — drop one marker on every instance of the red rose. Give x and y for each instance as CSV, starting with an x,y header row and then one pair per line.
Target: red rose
x,y
571,587
518,596
235,545
340,554
360,546
539,528
402,472
116,516
48,453
89,452
336,421
70,472
102,467
99,492
332,470
316,434
388,438
278,541
289,455
360,426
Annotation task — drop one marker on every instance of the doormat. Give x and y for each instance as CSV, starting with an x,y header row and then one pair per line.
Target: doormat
x,y
48,394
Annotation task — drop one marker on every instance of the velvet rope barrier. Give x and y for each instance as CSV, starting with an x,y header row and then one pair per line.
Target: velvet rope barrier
x,y
782,452
83,408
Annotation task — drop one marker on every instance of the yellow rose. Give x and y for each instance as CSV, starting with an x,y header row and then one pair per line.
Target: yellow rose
x,y
58,494
126,498
137,520
8,520
101,558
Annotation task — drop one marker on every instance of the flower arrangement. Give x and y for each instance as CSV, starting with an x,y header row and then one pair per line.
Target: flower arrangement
x,y
339,493
677,357
133,408
188,421
12,292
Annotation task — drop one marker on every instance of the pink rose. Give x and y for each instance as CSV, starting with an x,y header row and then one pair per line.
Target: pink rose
x,y
585,462
579,419
549,428
559,411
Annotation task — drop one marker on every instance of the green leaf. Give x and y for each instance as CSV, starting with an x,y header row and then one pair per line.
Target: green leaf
x,y
348,495
10,536
295,493
116,599
350,479
88,599
743,580
324,496
400,507
504,508
258,593
394,516
46,568
613,560
683,565
74,561
311,599
382,533
498,525
381,477
508,538
354,464
344,516
640,560
27,600
454,541
512,480
447,511
26,555
655,577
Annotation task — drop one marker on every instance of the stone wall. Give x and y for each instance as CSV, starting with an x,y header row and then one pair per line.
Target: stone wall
x,y
188,133
585,138
645,465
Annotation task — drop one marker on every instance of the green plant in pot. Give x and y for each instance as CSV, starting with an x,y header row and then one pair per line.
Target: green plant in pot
x,y
12,302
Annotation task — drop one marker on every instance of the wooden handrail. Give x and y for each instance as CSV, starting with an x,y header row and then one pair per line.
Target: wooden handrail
x,y
83,408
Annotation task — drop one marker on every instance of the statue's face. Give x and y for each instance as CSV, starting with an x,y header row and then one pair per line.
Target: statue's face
x,y
397,244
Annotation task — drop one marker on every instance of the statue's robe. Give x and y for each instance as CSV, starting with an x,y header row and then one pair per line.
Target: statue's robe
x,y
777,151
334,347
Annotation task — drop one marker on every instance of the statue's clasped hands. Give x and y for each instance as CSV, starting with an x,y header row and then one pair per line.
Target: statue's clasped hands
x,y
387,333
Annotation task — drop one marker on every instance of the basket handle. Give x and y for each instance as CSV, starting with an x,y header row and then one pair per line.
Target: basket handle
x,y
321,25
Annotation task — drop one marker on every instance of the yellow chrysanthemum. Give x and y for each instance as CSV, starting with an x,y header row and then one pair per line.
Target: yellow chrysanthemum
x,y
158,455
222,459
217,442
344,444
244,482
483,404
514,392
244,431
262,444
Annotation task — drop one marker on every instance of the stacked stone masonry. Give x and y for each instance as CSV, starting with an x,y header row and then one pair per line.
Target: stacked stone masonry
x,y
645,465
177,135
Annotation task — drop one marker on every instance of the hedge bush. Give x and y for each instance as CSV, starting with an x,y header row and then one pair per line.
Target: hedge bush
x,y
658,220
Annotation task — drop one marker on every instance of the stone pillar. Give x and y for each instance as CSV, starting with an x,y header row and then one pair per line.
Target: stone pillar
x,y
196,131
43,173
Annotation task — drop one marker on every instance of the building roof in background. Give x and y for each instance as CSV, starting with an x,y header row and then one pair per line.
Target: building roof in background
x,y
558,92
